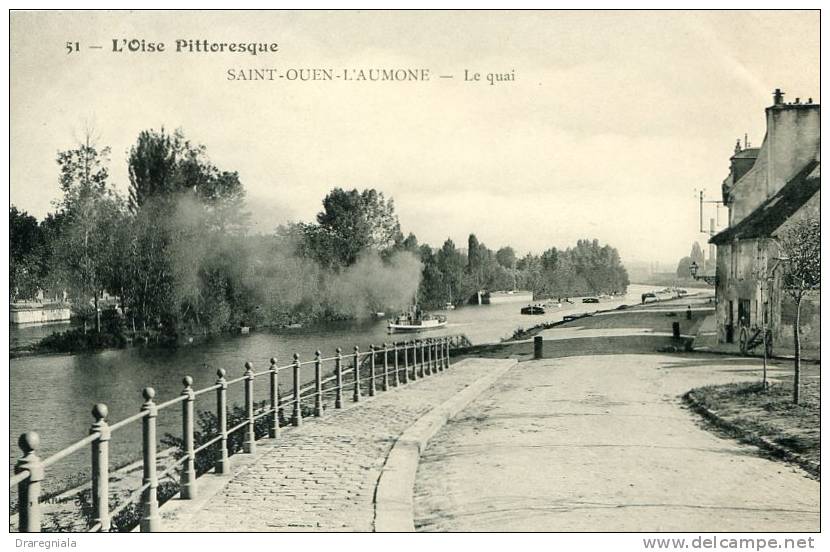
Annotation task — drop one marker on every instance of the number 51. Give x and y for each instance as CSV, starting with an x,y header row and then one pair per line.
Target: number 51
x,y
72,47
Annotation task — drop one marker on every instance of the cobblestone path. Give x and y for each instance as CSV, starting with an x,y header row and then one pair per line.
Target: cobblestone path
x,y
322,476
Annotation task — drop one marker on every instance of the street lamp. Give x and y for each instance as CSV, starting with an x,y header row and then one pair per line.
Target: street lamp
x,y
693,269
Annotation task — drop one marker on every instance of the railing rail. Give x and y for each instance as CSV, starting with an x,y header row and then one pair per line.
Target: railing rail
x,y
378,369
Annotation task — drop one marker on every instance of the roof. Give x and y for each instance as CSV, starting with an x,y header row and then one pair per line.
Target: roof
x,y
751,153
776,210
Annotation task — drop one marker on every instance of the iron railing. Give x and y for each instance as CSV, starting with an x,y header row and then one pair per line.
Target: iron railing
x,y
380,368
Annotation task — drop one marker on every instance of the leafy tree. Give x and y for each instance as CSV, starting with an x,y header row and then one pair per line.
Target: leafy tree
x,y
450,263
697,254
91,212
350,223
410,243
683,267
506,257
168,166
800,246
26,255
473,255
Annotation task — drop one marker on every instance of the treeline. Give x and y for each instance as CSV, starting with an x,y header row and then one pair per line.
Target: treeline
x,y
177,254
178,257
453,275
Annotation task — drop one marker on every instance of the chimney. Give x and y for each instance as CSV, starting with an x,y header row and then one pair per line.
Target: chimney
x,y
777,97
738,146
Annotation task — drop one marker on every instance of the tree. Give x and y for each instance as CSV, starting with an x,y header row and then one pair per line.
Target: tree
x,y
431,290
410,243
26,255
683,270
91,211
697,255
352,222
506,257
181,204
170,167
800,247
450,263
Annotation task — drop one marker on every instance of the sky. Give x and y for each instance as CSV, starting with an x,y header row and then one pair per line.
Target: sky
x,y
613,122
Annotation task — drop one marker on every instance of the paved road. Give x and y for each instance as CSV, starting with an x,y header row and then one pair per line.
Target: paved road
x,y
323,477
604,443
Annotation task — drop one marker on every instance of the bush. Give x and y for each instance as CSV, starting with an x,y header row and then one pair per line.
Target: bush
x,y
127,519
208,428
76,340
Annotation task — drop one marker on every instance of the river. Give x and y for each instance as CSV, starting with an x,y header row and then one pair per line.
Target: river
x,y
53,394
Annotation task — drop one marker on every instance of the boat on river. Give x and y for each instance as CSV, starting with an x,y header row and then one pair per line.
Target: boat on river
x,y
414,320
533,309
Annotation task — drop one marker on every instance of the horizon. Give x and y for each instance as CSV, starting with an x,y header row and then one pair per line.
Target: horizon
x,y
534,163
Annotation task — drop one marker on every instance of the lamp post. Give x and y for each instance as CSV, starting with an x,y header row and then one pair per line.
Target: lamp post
x,y
693,269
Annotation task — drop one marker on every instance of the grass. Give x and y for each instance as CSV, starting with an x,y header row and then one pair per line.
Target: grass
x,y
753,412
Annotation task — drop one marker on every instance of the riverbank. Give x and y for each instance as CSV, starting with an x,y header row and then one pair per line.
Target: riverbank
x,y
77,340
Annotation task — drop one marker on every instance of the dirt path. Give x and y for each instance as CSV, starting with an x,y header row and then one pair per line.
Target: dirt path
x,y
604,443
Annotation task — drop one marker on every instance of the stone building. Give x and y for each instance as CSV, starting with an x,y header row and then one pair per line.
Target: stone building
x,y
766,190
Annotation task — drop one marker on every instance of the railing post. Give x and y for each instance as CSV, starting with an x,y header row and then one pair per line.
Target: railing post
x,y
356,396
222,466
188,477
385,384
318,384
404,376
372,389
274,428
338,374
446,353
442,347
397,369
297,418
249,440
417,370
423,368
100,467
415,359
435,365
150,520
406,356
429,367
28,490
